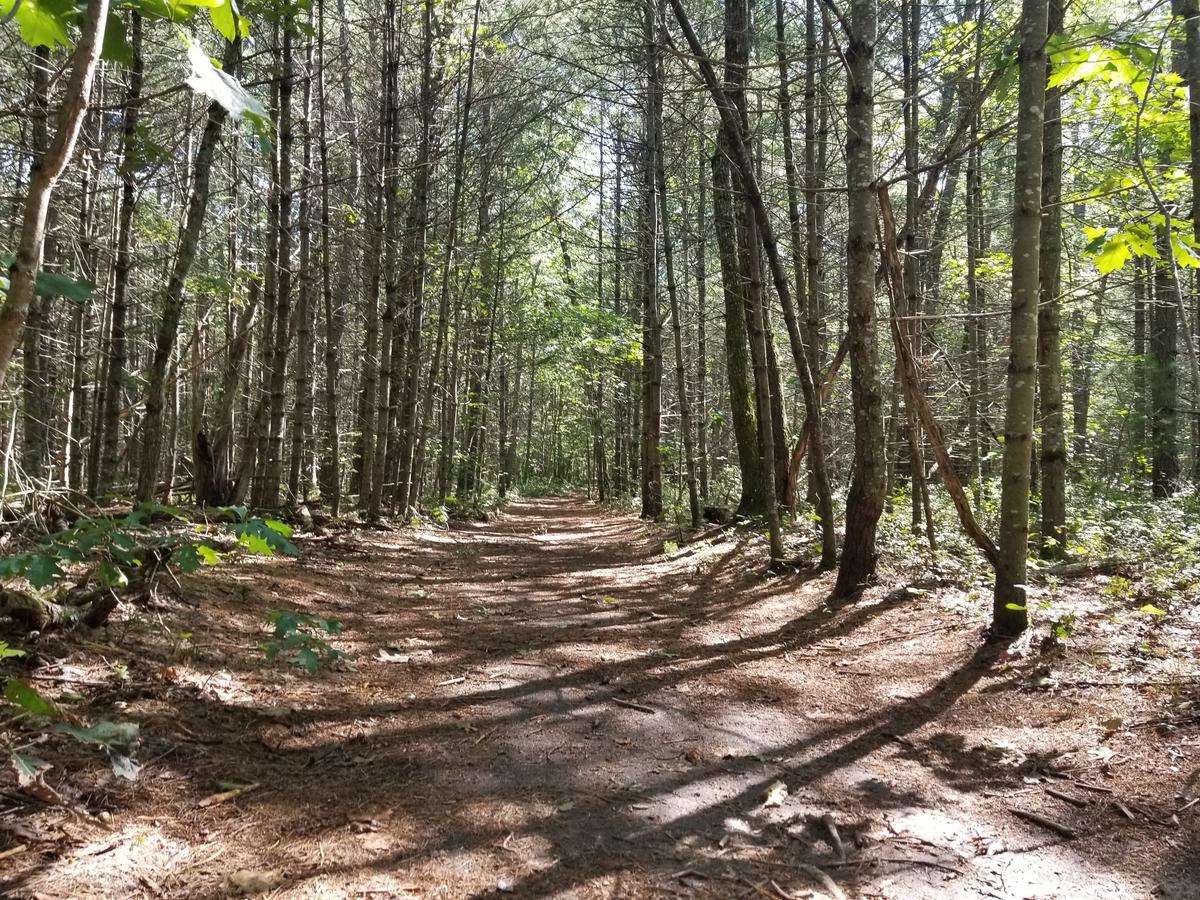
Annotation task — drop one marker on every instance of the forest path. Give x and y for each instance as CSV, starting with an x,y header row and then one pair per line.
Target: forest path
x,y
550,705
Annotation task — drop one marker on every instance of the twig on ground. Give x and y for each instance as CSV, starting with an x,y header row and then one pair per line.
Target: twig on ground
x,y
640,707
13,851
226,796
1088,786
823,879
1066,798
1124,810
1044,821
835,839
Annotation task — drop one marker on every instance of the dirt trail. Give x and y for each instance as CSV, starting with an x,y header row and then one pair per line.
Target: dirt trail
x,y
549,705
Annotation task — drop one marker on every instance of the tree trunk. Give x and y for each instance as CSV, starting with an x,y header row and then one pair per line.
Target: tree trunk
x,y
1049,327
300,469
864,503
685,407
1164,378
406,496
114,390
701,333
737,356
272,477
173,297
1010,615
651,481
43,179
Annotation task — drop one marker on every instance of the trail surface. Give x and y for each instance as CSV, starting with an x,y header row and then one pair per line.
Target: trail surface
x,y
550,705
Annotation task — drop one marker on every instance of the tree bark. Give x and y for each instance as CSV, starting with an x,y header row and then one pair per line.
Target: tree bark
x,y
114,390
173,296
1010,615
22,274
1053,532
864,503
651,456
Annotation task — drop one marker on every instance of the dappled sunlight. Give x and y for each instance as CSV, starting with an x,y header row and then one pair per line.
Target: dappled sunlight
x,y
561,719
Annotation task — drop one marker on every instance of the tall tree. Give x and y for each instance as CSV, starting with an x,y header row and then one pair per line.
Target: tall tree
x,y
47,170
1010,612
173,296
864,503
1049,326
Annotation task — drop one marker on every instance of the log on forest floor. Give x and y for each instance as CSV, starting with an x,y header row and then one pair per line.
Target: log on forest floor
x,y
90,607
1083,569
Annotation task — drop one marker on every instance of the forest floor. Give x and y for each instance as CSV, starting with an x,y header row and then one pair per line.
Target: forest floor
x,y
555,703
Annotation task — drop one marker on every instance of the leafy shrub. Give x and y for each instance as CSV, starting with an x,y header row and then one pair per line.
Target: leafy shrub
x,y
115,545
296,637
117,739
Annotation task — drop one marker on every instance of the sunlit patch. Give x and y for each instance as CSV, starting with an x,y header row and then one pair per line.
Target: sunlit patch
x,y
118,863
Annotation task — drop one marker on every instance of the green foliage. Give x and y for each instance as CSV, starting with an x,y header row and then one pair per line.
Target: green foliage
x,y
49,284
115,546
265,537
1119,588
22,694
7,652
1063,626
47,23
28,768
43,23
296,636
117,739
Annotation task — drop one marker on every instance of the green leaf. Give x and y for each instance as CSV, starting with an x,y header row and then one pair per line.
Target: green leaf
x,y
26,697
120,735
28,768
1016,606
54,284
43,570
329,626
7,652
110,573
43,23
1113,255
309,660
237,513
261,538
1152,610
228,21
116,45
186,558
280,527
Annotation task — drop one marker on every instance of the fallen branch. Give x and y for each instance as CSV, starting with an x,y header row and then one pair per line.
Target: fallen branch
x,y
912,388
1043,821
835,838
13,851
91,609
1083,569
1066,798
640,707
226,796
823,879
